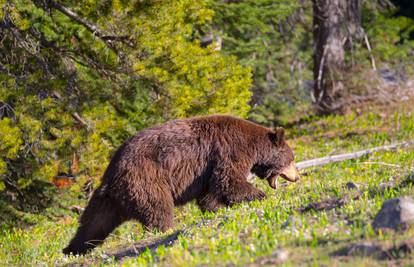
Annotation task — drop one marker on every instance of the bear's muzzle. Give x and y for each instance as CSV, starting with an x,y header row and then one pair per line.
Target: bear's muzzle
x,y
289,173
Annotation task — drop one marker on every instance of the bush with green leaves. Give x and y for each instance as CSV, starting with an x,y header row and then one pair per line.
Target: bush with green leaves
x,y
79,77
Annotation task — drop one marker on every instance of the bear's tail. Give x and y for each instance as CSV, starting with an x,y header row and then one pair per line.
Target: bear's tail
x,y
100,217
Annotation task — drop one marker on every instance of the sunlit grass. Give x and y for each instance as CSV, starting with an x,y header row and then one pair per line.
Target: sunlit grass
x,y
244,233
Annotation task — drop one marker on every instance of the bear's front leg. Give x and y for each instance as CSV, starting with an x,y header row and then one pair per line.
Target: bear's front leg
x,y
210,201
240,191
229,181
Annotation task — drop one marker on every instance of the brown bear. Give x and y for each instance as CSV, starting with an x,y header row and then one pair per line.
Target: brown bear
x,y
204,158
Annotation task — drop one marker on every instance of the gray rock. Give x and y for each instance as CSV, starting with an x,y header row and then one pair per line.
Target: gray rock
x,y
396,214
351,186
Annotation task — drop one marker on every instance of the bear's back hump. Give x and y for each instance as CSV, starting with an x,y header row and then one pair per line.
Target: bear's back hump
x,y
171,140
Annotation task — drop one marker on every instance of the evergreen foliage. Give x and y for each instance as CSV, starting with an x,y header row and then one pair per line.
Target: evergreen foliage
x,y
273,37
391,33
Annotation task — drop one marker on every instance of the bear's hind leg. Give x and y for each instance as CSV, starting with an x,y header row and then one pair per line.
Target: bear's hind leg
x,y
99,219
158,213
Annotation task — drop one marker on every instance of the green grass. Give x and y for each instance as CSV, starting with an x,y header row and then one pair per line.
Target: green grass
x,y
249,233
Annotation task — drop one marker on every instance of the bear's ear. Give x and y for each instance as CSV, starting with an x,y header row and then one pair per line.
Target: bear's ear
x,y
277,136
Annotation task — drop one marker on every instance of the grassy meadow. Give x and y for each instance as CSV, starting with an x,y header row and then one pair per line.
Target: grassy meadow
x,y
315,222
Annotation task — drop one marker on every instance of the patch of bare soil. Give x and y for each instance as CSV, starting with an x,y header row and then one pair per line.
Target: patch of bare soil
x,y
377,250
330,203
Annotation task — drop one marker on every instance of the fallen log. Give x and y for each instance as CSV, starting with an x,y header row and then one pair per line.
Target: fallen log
x,y
341,157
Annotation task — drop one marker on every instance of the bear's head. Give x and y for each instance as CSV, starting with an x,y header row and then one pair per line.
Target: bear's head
x,y
276,159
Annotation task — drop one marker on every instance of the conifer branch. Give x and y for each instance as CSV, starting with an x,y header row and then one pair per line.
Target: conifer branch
x,y
95,30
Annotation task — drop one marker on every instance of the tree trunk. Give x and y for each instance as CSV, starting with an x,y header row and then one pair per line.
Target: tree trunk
x,y
335,22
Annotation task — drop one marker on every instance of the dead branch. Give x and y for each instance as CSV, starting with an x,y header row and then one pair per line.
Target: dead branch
x,y
346,156
95,30
374,67
79,119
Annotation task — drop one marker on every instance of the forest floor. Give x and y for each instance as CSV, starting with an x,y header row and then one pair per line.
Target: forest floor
x,y
318,221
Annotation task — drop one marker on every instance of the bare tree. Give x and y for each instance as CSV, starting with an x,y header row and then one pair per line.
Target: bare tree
x,y
335,24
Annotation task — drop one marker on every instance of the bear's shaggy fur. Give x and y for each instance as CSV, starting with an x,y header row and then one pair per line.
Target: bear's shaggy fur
x,y
203,158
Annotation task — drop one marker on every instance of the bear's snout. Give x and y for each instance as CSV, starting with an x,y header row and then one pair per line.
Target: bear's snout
x,y
290,173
